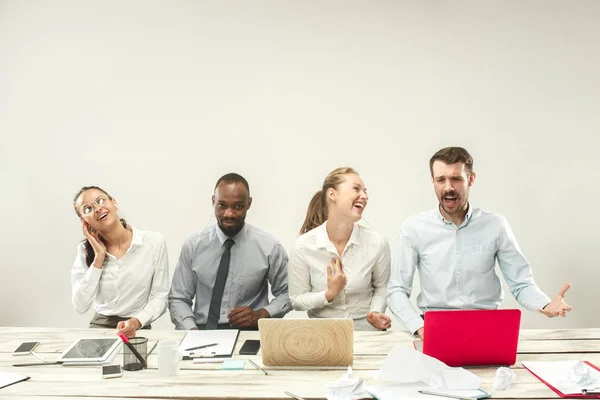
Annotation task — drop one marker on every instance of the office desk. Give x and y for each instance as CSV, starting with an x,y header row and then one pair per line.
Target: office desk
x,y
208,381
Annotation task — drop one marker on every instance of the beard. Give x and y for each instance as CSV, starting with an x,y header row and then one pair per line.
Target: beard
x,y
455,206
231,230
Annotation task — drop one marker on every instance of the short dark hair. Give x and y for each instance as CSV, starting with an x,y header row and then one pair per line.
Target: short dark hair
x,y
232,177
452,155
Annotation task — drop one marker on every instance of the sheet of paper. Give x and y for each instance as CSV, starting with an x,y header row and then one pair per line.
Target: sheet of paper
x,y
7,379
395,391
225,340
558,375
407,365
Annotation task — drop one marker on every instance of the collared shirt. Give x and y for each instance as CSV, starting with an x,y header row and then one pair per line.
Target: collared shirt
x,y
365,262
135,285
456,266
256,257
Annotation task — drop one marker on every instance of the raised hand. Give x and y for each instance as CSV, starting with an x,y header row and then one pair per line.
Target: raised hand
x,y
99,248
336,280
379,320
558,306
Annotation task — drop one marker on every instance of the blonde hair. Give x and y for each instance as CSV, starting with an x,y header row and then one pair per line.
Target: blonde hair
x,y
316,214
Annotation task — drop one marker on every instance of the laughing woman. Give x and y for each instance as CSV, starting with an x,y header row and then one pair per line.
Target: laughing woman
x,y
339,268
123,271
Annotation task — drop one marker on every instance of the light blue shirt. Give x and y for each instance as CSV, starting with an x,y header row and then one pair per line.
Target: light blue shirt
x,y
456,266
257,258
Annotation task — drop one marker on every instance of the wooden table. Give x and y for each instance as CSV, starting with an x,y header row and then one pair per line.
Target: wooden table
x,y
208,381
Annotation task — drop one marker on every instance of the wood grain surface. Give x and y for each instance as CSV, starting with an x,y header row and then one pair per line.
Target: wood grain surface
x,y
307,342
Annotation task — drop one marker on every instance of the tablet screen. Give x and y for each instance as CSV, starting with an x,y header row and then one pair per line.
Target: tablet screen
x,y
89,348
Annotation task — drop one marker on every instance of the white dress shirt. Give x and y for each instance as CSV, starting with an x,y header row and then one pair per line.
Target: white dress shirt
x,y
136,285
365,262
456,266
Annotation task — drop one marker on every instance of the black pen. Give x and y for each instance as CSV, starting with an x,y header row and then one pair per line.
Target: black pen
x,y
202,347
253,363
152,349
133,350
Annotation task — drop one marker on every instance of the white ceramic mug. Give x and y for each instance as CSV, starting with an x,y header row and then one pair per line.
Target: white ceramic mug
x,y
168,357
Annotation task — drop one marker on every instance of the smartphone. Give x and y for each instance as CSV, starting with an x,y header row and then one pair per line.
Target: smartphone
x,y
111,371
25,348
250,347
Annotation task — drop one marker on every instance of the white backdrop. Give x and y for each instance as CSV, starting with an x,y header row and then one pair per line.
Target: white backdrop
x,y
155,100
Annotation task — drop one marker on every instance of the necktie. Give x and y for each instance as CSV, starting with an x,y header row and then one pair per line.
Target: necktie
x,y
214,311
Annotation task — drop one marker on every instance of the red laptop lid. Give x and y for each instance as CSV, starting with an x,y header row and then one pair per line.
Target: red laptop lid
x,y
472,337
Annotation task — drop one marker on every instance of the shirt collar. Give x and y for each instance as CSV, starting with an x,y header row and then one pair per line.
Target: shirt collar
x,y
136,238
322,239
238,238
467,216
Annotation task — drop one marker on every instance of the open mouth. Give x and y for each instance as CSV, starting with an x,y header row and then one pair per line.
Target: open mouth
x,y
359,206
103,216
450,200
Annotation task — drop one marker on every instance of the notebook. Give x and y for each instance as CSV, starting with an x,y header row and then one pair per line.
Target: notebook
x,y
213,343
7,379
461,338
307,341
557,376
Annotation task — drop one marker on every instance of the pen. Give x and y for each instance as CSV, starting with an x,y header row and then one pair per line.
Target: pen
x,y
152,349
253,363
201,347
452,396
294,396
133,350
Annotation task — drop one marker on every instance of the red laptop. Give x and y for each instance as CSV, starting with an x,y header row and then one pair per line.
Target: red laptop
x,y
462,338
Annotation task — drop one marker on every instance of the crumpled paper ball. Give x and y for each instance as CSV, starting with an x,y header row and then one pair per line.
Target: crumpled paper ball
x,y
581,373
347,388
504,378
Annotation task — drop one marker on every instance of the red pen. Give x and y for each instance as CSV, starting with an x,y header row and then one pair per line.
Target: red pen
x,y
133,350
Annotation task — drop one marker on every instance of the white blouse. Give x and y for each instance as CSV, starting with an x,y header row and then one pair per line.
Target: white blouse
x,y
136,285
365,262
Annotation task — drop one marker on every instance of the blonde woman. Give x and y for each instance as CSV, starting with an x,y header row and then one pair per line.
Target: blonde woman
x,y
339,268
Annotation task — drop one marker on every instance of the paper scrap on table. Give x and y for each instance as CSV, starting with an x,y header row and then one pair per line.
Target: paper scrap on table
x,y
347,388
504,378
406,365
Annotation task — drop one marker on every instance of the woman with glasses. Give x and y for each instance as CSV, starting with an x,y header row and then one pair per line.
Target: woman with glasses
x,y
122,271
